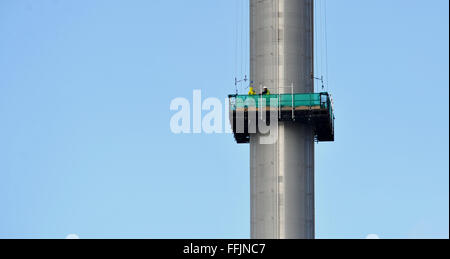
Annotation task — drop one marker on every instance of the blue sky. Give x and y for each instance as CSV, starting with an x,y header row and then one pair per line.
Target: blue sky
x,y
85,140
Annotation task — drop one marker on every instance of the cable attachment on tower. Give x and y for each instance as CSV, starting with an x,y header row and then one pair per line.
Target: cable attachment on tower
x,y
238,81
321,79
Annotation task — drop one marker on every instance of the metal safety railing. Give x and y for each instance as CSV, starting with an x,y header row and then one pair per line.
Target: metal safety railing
x,y
279,101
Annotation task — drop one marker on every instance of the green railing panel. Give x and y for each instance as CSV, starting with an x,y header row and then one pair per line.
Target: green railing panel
x,y
286,100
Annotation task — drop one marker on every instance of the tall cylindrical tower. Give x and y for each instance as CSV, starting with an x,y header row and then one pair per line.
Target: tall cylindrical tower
x,y
282,174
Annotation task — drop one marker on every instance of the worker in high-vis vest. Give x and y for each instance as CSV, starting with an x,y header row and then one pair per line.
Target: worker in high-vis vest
x,y
252,90
266,91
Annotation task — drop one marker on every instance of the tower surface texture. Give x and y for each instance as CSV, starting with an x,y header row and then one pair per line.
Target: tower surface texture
x,y
282,173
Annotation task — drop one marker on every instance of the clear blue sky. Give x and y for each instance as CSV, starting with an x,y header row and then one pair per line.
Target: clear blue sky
x,y
86,147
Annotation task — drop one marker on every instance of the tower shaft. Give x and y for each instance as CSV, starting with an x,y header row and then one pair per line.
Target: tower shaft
x,y
282,174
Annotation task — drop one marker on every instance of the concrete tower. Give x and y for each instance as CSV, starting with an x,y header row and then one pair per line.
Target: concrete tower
x,y
282,174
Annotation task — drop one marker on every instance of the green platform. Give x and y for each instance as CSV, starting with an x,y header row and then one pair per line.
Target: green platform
x,y
314,109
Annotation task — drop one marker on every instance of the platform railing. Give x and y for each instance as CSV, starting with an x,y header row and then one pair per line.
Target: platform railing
x,y
315,109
